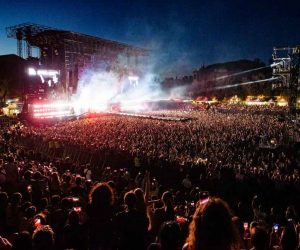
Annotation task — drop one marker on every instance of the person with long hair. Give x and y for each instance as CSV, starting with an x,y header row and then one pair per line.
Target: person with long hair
x,y
100,213
212,228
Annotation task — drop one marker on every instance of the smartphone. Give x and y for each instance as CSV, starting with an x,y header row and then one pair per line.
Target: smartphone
x,y
275,226
203,197
37,222
77,209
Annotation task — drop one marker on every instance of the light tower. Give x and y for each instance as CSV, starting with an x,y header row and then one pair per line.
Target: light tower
x,y
286,66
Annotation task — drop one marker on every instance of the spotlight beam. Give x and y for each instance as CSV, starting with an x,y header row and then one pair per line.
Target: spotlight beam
x,y
246,83
241,73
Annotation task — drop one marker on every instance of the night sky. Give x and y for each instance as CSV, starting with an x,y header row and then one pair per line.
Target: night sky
x,y
182,34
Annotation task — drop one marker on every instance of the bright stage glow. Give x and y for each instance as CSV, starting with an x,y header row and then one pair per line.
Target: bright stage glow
x,y
100,91
133,78
44,72
134,106
52,105
53,114
51,110
31,72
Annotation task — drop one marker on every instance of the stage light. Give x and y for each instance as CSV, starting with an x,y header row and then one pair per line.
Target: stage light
x,y
133,78
52,110
31,72
44,72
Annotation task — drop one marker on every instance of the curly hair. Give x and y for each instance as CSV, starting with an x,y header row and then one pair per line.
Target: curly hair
x,y
212,227
101,195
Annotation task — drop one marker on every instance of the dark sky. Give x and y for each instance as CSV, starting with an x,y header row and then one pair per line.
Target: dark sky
x,y
182,34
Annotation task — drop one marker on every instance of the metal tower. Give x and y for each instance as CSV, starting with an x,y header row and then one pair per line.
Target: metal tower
x,y
23,33
286,66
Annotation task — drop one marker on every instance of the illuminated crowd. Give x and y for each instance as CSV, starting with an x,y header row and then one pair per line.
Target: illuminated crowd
x,y
150,196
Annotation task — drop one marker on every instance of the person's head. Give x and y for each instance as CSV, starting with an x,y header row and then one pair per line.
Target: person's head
x,y
78,181
55,200
43,238
22,241
30,212
66,203
130,200
73,218
289,239
139,193
27,175
167,198
37,175
101,195
154,246
68,179
43,203
290,213
55,177
10,159
260,238
3,198
15,199
169,236
212,227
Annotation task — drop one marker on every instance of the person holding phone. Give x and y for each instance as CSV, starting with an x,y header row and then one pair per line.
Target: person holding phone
x,y
162,214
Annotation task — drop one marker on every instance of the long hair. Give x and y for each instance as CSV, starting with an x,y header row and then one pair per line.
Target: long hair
x,y
140,201
101,196
212,227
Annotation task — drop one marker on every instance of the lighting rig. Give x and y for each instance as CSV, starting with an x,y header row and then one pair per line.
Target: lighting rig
x,y
286,67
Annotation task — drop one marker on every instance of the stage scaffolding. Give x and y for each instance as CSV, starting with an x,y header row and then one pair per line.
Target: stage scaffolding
x,y
71,52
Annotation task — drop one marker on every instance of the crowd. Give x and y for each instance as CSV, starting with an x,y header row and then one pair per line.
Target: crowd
x,y
158,202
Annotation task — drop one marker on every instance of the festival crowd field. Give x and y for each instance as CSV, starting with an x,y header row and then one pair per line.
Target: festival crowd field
x,y
219,180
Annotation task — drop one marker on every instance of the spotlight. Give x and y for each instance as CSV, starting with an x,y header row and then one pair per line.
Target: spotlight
x,y
31,72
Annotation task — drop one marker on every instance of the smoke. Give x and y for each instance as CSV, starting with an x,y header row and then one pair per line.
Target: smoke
x,y
98,89
95,90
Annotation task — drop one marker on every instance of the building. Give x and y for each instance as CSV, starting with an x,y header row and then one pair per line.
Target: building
x,y
210,80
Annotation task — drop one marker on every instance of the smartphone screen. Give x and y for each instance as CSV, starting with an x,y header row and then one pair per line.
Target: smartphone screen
x,y
203,197
77,209
37,222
